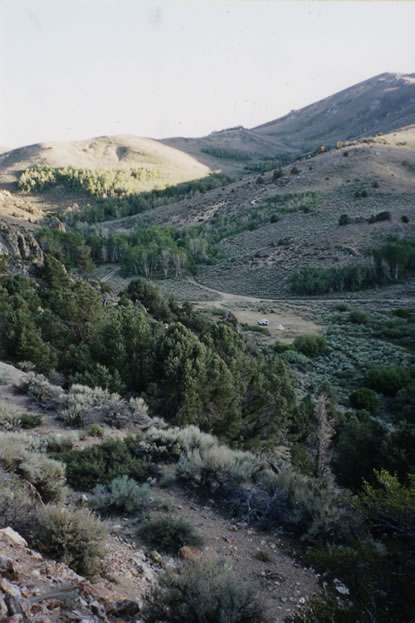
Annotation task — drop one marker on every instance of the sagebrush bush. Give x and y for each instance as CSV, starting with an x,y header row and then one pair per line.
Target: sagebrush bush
x,y
60,443
13,450
46,475
85,405
9,417
295,358
22,455
168,534
18,508
73,536
41,389
122,495
358,317
312,508
311,345
209,465
203,591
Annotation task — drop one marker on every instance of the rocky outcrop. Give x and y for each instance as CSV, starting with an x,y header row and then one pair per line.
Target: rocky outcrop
x,y
38,590
19,244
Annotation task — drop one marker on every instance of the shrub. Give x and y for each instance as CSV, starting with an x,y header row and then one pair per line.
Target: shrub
x,y
27,421
358,317
263,556
341,307
39,387
10,418
96,431
311,507
295,358
380,216
211,466
387,380
404,218
13,450
60,443
84,405
344,219
366,399
75,537
168,534
203,591
121,495
46,475
378,568
277,174
104,462
311,345
17,507
402,312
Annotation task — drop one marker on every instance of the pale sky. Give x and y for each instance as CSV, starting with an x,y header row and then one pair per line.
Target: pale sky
x,y
74,69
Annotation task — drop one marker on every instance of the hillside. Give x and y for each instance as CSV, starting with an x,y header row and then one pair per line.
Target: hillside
x,y
168,165
381,104
307,201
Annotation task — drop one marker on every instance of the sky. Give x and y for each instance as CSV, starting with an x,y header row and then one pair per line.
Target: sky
x,y
74,69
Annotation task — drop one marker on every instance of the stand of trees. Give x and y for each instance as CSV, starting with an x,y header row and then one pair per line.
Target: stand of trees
x,y
386,264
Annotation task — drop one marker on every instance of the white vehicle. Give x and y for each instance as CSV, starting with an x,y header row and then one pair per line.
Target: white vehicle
x,y
263,322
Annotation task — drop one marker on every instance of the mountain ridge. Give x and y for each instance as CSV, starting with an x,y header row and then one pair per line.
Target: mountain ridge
x,y
380,104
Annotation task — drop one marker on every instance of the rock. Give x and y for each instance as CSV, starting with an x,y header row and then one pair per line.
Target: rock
x,y
187,552
13,536
3,608
35,555
98,609
14,606
10,589
55,223
124,608
340,587
155,557
19,244
8,568
229,539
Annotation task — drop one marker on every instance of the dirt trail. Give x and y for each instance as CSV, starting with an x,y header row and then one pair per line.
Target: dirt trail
x,y
283,325
111,274
235,298
227,297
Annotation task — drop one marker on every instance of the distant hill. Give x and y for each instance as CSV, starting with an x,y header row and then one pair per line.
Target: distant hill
x,y
381,104
107,152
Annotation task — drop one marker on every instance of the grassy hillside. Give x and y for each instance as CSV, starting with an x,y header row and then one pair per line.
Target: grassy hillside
x,y
168,165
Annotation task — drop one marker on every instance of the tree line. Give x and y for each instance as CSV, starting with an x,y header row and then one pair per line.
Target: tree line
x,y
385,264
117,193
